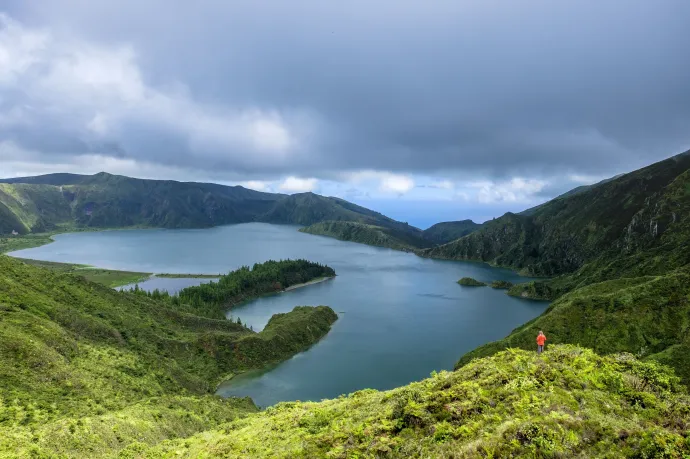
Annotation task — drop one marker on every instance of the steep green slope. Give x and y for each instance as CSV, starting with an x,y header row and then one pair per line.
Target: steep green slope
x,y
43,203
119,368
633,295
567,403
630,214
368,234
648,316
107,200
309,208
111,201
574,191
31,208
444,232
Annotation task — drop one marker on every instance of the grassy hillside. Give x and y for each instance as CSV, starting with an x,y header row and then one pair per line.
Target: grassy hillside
x,y
119,368
110,201
369,234
567,403
31,208
634,213
90,372
309,208
444,232
51,202
627,265
574,191
107,277
648,316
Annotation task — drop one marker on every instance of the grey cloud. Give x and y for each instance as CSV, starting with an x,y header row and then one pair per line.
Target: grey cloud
x,y
490,89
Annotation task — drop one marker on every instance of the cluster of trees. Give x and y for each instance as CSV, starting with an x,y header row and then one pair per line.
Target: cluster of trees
x,y
242,284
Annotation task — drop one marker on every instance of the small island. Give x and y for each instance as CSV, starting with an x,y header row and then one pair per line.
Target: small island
x,y
469,282
501,284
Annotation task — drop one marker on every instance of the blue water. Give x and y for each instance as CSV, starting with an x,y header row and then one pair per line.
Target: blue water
x,y
400,316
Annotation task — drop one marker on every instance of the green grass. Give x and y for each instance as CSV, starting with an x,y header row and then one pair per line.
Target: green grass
x,y
29,241
569,402
119,368
648,316
107,277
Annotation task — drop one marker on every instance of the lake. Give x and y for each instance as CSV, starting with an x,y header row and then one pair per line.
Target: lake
x,y
400,316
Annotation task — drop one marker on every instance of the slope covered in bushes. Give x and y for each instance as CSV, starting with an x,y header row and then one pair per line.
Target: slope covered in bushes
x,y
116,367
569,402
380,236
648,316
631,215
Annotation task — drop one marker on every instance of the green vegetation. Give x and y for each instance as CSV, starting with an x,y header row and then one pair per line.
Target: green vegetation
x,y
31,208
29,241
569,402
107,277
310,208
215,298
469,282
630,217
501,284
648,316
533,290
444,232
87,371
46,203
379,236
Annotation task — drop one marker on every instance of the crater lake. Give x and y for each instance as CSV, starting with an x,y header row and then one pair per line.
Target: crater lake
x,y
400,316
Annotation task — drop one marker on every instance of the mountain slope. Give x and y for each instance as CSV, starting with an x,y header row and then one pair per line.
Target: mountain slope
x,y
444,232
31,208
574,191
76,355
309,208
43,203
369,234
567,403
617,218
624,249
648,316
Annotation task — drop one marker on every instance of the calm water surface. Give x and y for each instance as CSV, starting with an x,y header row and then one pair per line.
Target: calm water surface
x,y
400,317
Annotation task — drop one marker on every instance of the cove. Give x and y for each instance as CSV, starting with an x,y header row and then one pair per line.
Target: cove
x,y
400,316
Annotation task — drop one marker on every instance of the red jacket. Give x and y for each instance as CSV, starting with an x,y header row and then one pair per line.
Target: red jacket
x,y
541,339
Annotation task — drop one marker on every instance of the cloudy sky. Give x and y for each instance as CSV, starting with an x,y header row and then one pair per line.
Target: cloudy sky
x,y
425,111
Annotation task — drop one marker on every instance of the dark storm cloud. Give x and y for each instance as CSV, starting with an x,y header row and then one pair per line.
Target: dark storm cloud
x,y
498,89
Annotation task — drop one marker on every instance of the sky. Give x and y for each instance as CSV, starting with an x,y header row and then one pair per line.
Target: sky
x,y
425,111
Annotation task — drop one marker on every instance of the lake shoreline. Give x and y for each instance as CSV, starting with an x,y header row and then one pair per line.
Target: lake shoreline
x,y
394,333
305,284
416,252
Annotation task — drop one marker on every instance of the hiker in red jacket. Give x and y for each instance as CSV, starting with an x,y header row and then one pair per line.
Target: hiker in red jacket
x,y
541,339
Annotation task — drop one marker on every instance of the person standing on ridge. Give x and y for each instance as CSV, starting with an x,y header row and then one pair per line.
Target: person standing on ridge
x,y
541,339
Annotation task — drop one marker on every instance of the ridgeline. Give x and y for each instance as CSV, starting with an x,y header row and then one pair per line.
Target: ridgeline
x,y
65,202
